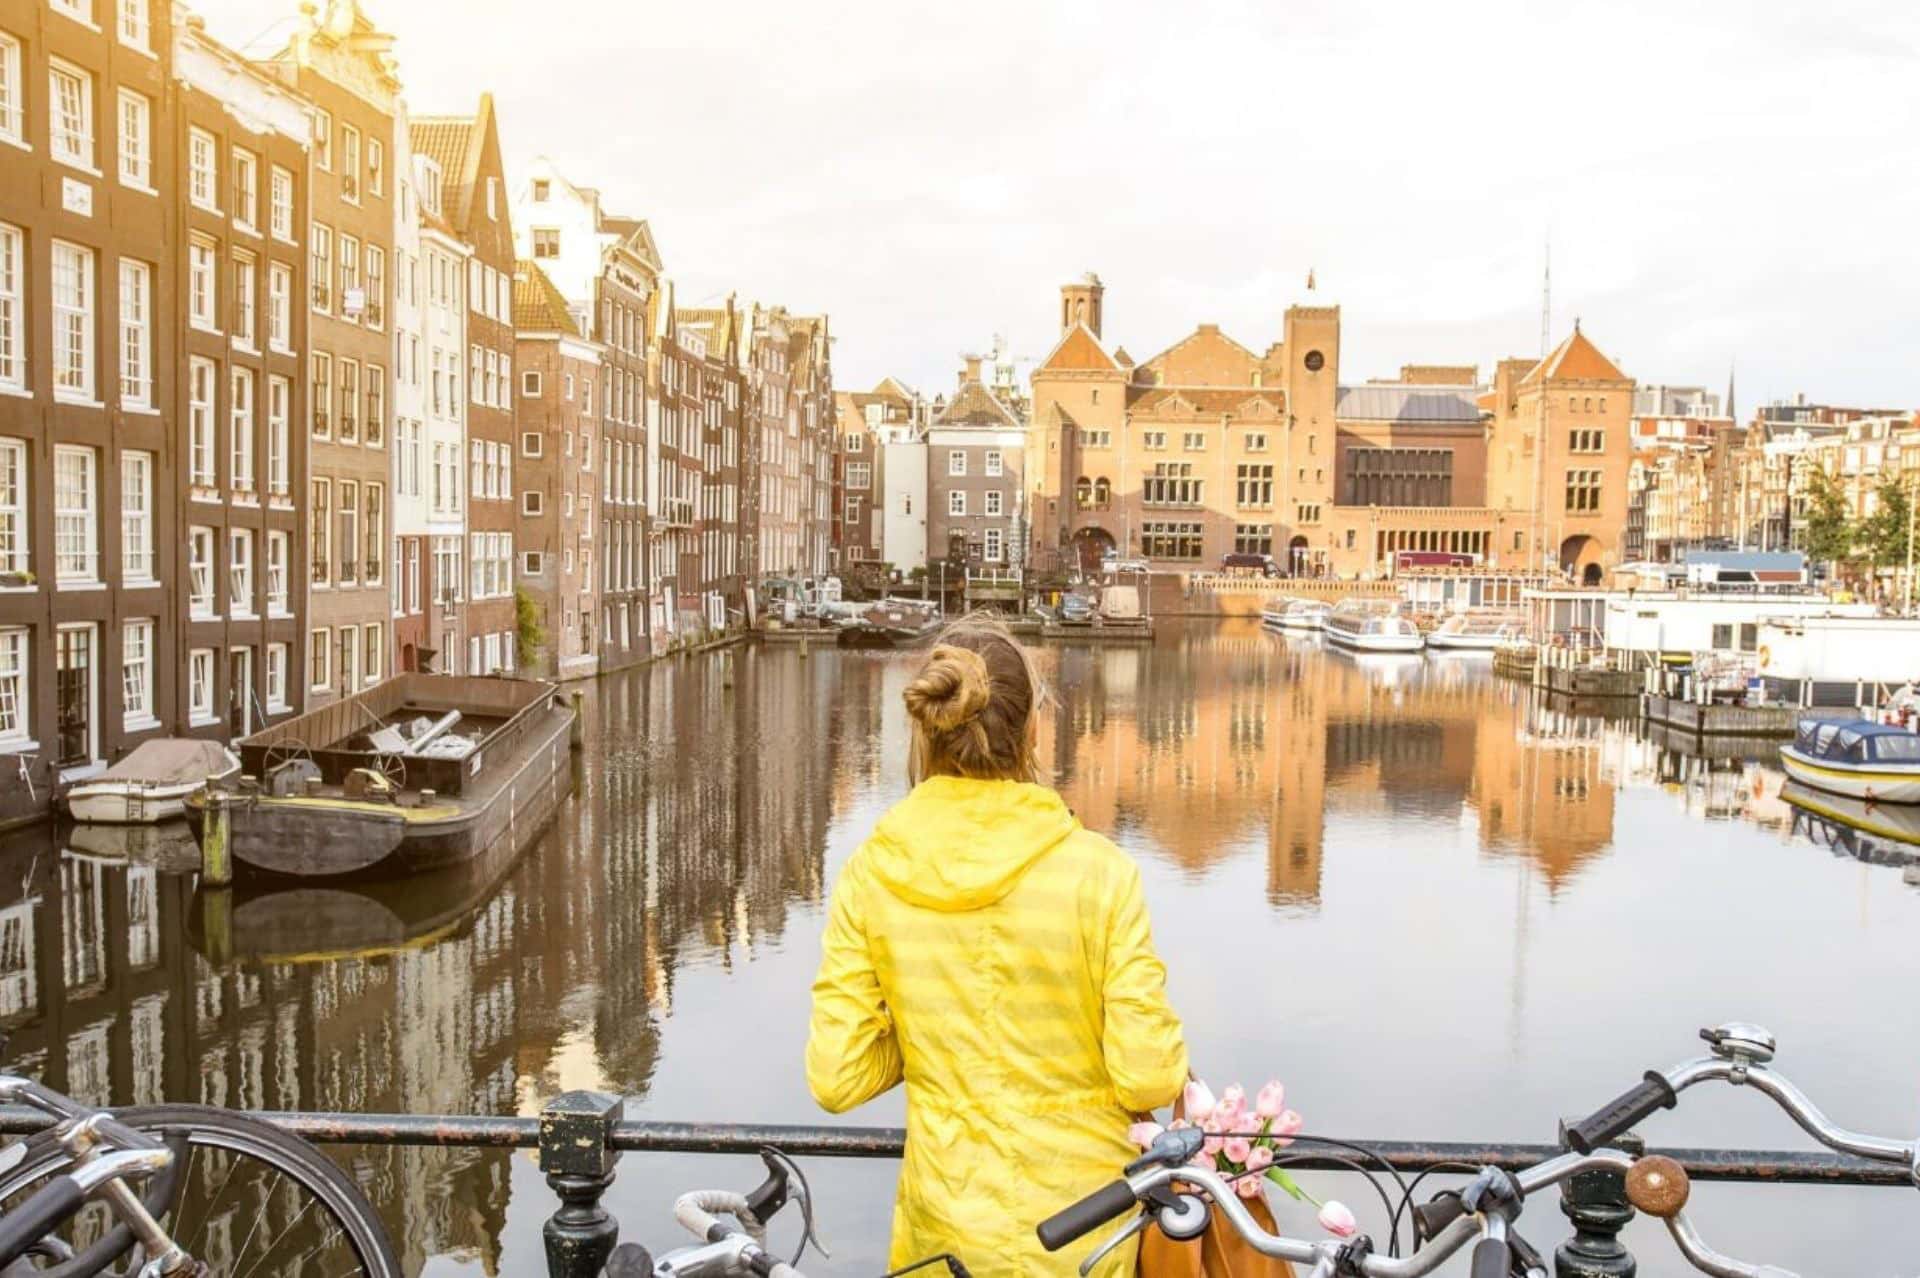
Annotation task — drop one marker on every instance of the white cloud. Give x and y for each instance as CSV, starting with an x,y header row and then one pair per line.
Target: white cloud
x,y
1720,181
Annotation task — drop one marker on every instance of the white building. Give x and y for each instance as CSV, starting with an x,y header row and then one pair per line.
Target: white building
x,y
443,269
903,473
408,483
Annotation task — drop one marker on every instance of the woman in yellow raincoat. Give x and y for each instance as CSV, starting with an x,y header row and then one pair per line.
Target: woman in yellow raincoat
x,y
993,954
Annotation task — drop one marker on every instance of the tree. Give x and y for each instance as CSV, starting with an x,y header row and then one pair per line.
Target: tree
x,y
1884,534
529,635
1830,534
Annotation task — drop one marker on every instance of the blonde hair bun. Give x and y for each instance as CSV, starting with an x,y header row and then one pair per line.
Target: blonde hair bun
x,y
951,691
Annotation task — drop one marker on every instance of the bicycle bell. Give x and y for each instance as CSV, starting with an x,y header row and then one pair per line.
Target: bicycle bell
x,y
1740,1042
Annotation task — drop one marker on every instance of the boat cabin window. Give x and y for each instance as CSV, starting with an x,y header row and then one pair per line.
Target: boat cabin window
x,y
1904,747
1823,737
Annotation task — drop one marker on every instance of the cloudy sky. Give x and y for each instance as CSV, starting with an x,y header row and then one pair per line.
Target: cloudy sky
x,y
1720,184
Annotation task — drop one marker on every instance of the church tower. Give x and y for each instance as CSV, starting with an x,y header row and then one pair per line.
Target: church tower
x,y
1080,304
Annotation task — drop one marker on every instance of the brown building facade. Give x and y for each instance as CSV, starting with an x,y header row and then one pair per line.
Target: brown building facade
x,y
976,448
91,659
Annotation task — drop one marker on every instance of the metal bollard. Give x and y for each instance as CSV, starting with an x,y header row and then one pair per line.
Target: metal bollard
x,y
1596,1203
575,1155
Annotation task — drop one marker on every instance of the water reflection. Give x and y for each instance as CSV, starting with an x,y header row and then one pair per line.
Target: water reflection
x,y
714,799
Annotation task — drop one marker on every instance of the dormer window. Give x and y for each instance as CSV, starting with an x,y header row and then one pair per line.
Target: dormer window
x,y
429,186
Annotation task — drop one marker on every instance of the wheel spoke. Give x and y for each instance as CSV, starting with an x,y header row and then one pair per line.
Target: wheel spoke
x,y
285,1233
266,1205
214,1201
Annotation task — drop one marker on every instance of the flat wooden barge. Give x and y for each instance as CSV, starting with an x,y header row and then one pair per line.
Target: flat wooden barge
x,y
415,774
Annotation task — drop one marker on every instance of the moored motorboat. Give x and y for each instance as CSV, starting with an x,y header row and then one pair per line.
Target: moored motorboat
x,y
151,784
1894,822
1371,625
1477,631
1299,615
1857,758
415,773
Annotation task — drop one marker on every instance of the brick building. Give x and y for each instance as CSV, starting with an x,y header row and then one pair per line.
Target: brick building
x,y
976,447
558,411
243,237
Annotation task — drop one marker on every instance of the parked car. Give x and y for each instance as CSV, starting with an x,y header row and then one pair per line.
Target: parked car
x,y
1236,561
1076,610
1112,563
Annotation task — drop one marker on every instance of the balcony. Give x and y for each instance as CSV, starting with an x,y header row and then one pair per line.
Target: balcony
x,y
349,428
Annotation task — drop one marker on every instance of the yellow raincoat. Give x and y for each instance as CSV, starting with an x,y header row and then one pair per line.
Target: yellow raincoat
x,y
989,951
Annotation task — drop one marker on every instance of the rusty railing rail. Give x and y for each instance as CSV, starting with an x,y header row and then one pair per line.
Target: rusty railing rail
x,y
581,1135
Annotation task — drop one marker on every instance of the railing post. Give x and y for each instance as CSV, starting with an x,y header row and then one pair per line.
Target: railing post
x,y
1596,1203
575,1154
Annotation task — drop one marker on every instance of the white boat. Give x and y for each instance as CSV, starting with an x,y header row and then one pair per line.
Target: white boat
x,y
1857,758
1372,625
152,783
1478,631
1294,614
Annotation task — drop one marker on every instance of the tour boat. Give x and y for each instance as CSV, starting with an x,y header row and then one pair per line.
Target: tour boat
x,y
1857,758
418,772
1295,614
1477,631
1371,625
152,783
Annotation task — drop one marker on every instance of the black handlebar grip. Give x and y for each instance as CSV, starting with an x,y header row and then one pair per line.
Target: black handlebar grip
x,y
1491,1259
1622,1112
1085,1216
1434,1215
39,1216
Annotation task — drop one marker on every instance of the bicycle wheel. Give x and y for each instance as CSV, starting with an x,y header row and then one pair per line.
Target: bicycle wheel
x,y
251,1200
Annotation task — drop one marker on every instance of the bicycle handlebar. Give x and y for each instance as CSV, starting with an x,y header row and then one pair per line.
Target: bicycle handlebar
x,y
55,1202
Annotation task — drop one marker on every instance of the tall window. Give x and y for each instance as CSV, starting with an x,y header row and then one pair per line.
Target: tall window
x,y
376,167
323,139
12,96
276,676
1172,484
321,516
349,429
73,296
136,516
70,98
992,548
136,334
956,462
957,501
320,395
136,673
13,506
134,27
347,547
1253,485
200,423
15,672
200,686
995,464
279,440
1253,539
376,303
322,270
352,301
1583,491
376,404
376,535
370,668
76,528
279,306
202,300
240,572
136,140
240,419
280,206
350,163
994,499
203,170
13,317
278,559
245,282
318,654
200,571
246,189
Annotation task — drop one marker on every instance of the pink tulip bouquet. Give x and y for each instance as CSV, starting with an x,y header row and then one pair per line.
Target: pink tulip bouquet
x,y
1241,1143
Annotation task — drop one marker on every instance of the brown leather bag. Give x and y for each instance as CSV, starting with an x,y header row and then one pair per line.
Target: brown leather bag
x,y
1220,1252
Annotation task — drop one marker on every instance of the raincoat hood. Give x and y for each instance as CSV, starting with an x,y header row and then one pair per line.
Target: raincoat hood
x,y
959,844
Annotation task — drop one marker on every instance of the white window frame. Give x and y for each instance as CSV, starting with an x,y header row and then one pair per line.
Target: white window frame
x,y
349,164
86,551
279,436
203,285
278,657
203,170
376,167
13,312
246,190
993,503
246,299
75,354
134,24
16,688
993,546
242,389
201,598
323,139
15,517
135,141
12,92
860,475
280,203
136,675
530,384
200,687
136,334
71,142
957,462
138,556
957,503
240,572
202,466
995,465
279,567
280,307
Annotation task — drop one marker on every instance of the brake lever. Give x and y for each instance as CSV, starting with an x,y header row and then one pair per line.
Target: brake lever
x,y
1101,1252
792,1186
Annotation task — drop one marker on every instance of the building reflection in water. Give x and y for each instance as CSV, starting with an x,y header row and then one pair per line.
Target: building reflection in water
x,y
707,799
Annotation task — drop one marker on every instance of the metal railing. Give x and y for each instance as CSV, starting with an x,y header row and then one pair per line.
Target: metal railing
x,y
581,1135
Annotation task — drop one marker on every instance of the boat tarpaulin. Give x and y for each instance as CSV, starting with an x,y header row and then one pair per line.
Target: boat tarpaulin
x,y
172,761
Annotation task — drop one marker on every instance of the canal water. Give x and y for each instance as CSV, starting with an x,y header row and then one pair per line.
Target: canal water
x,y
1434,906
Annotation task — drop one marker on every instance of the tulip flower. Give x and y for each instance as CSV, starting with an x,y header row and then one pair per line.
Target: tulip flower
x,y
1237,1149
1337,1220
1259,1157
1199,1100
1144,1134
1247,1187
1233,1103
1271,1100
1286,1125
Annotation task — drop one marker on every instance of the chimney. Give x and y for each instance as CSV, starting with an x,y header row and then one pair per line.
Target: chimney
x,y
971,372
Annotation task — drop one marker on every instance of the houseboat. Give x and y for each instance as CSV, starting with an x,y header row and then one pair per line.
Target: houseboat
x,y
1372,625
152,783
419,772
1856,758
1298,615
1478,631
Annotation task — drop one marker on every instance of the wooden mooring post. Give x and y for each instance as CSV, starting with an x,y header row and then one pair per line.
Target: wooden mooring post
x,y
216,837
